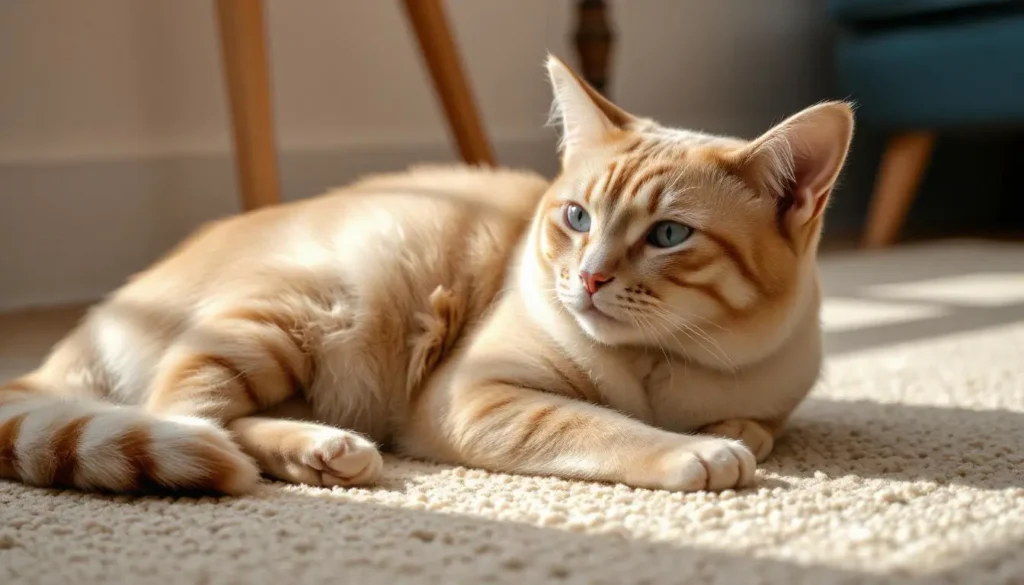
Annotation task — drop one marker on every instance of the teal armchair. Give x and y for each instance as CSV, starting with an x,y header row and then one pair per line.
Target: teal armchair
x,y
916,68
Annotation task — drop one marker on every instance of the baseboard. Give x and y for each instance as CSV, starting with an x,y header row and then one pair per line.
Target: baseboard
x,y
71,231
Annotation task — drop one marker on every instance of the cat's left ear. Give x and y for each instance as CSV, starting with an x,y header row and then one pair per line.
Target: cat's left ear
x,y
587,117
799,160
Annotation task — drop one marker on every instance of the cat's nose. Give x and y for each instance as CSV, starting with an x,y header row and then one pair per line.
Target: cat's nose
x,y
594,280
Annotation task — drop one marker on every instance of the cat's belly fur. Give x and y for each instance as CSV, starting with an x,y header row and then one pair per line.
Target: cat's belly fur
x,y
354,272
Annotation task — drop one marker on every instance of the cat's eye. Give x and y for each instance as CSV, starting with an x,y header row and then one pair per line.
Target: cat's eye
x,y
577,218
667,234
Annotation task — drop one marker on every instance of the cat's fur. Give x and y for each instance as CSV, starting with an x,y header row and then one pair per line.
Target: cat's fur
x,y
378,308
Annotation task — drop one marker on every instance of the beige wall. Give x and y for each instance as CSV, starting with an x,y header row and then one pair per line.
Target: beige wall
x,y
113,129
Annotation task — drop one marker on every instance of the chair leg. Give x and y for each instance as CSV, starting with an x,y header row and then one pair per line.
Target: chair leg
x,y
430,24
903,166
243,45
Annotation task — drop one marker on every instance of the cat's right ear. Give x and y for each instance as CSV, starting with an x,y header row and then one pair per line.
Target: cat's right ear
x,y
587,118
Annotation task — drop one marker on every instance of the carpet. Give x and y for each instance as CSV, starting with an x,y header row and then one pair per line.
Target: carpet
x,y
906,465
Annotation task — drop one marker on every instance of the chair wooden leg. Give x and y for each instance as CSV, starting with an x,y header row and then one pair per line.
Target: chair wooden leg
x,y
903,166
430,24
243,45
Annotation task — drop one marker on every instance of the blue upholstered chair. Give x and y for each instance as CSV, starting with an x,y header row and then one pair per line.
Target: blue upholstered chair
x,y
918,67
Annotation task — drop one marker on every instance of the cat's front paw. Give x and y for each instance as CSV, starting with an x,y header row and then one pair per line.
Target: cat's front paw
x,y
752,433
704,463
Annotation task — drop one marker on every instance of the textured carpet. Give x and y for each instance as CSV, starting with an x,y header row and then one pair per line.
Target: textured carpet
x,y
907,465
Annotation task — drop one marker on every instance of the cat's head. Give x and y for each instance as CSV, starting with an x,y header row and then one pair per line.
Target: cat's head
x,y
652,234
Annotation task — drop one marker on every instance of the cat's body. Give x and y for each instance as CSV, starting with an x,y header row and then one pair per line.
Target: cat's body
x,y
379,310
332,299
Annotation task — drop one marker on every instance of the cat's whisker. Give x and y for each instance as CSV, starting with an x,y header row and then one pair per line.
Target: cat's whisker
x,y
703,334
667,329
640,326
689,315
699,336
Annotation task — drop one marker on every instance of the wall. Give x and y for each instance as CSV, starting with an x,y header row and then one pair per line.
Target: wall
x,y
114,140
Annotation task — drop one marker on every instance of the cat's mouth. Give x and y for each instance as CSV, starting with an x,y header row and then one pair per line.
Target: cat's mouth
x,y
585,310
592,312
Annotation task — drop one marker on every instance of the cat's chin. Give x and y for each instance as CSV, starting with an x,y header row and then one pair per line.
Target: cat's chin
x,y
598,325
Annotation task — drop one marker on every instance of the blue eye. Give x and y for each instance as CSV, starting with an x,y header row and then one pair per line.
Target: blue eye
x,y
577,218
667,234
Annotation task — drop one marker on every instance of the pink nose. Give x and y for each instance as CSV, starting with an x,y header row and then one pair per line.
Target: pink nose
x,y
594,281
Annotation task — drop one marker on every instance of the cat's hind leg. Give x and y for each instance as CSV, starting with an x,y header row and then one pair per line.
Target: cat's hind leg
x,y
226,367
308,453
231,365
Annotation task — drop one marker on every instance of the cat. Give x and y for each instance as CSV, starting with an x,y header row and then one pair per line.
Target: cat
x,y
649,317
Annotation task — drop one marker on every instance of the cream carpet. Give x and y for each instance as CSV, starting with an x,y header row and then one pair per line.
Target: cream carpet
x,y
907,466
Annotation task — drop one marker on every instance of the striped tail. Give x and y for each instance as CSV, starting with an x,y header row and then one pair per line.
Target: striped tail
x,y
48,440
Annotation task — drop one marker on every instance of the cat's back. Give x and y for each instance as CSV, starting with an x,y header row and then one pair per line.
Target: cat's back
x,y
423,219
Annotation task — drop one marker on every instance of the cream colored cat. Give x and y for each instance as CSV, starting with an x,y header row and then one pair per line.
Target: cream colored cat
x,y
650,317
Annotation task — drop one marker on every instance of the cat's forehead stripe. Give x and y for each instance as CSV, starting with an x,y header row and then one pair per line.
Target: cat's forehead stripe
x,y
590,189
626,172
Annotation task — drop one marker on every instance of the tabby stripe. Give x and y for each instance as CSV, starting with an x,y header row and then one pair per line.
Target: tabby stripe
x,y
236,375
691,262
64,449
708,290
557,240
651,150
294,378
534,424
573,422
8,440
590,190
494,406
609,176
568,381
219,470
615,192
738,260
565,379
298,379
649,175
134,445
633,145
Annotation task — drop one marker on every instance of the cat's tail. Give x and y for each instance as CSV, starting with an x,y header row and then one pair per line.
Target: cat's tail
x,y
56,441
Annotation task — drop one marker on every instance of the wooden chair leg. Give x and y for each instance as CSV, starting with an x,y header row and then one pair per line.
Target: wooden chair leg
x,y
243,45
903,165
430,24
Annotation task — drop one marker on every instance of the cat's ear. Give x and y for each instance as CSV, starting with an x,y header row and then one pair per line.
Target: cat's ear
x,y
587,118
799,160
